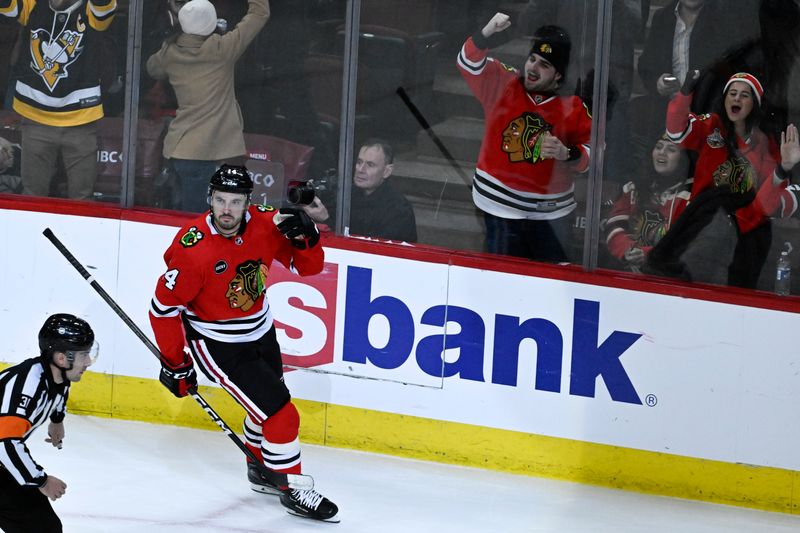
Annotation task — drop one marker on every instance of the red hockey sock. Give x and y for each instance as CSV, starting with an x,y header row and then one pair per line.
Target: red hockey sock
x,y
281,447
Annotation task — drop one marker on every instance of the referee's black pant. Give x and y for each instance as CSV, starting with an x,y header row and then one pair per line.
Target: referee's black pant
x,y
25,509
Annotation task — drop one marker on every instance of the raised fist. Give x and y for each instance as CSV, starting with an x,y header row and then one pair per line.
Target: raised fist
x,y
499,22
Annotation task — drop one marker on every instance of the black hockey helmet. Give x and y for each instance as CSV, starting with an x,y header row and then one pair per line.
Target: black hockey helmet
x,y
66,333
231,178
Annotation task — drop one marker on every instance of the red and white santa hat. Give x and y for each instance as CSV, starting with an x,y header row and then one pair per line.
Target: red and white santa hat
x,y
750,80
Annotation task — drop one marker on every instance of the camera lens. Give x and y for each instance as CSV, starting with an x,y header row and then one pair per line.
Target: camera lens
x,y
302,195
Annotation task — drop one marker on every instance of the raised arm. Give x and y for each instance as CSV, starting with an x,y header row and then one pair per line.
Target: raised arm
x,y
485,76
234,43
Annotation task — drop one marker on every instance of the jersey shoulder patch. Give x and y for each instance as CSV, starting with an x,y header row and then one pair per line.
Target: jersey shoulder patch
x,y
507,68
264,208
191,237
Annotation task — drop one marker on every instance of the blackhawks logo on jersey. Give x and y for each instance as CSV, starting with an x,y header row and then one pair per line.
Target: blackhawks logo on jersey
x,y
523,137
191,237
264,208
247,285
647,228
736,173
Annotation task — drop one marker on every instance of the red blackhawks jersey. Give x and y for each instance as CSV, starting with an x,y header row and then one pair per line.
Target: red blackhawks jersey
x,y
216,284
511,179
753,170
636,222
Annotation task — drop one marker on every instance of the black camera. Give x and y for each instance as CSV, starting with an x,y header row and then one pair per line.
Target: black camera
x,y
304,193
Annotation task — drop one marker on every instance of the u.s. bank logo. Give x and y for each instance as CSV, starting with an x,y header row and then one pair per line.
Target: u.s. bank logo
x,y
51,57
305,315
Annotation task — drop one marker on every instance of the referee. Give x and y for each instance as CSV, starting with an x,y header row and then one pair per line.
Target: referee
x,y
32,392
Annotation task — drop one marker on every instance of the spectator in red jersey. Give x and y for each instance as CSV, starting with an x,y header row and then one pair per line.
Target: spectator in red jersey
x,y
685,35
739,169
648,206
534,144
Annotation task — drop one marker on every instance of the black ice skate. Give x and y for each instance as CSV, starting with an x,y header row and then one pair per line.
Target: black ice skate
x,y
258,482
310,504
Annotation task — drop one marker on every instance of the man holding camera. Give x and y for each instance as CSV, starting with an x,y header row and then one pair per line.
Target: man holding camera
x,y
212,298
377,209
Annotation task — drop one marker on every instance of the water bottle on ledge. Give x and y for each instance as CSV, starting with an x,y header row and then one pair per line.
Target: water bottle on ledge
x,y
783,272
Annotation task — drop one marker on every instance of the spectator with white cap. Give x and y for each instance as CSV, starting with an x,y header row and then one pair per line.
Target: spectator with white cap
x,y
199,64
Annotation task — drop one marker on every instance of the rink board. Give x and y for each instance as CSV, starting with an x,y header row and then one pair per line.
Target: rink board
x,y
430,355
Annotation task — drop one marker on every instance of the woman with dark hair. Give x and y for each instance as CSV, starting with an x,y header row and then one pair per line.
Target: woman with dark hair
x,y
648,206
770,55
738,168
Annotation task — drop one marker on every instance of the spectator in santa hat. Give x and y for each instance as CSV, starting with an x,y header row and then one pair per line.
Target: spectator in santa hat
x,y
739,170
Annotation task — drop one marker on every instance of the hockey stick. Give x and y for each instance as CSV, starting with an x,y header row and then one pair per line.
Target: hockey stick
x,y
294,481
435,138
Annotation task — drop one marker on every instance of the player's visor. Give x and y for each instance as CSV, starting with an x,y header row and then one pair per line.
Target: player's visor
x,y
81,356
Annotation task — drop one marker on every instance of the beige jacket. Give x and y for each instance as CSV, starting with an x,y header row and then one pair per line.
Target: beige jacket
x,y
208,123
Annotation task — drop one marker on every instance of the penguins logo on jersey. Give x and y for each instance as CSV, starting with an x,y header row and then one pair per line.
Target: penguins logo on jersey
x,y
51,56
523,137
247,285
191,237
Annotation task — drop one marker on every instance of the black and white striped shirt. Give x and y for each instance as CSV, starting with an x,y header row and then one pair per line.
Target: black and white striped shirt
x,y
29,396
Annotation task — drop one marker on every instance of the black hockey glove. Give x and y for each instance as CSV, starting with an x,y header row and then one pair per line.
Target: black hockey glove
x,y
298,227
178,379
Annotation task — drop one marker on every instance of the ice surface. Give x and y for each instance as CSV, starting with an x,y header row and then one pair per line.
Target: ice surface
x,y
127,476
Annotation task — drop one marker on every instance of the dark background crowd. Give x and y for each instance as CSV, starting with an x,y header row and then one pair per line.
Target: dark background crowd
x,y
284,72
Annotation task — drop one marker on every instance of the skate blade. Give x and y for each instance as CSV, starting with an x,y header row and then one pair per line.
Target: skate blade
x,y
265,490
332,520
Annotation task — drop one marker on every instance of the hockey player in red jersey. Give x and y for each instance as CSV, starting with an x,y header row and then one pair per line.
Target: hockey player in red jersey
x,y
212,298
533,145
